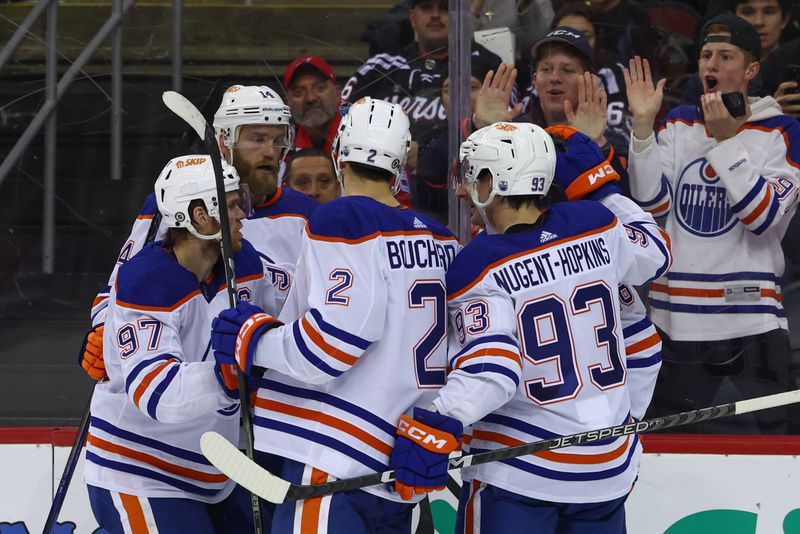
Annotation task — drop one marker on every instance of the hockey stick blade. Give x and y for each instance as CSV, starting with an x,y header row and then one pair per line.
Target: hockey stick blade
x,y
180,106
266,485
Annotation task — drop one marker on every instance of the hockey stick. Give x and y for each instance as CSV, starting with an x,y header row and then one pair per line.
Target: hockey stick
x,y
229,460
187,111
69,469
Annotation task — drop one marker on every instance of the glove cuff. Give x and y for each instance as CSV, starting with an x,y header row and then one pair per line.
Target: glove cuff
x,y
251,331
592,180
432,439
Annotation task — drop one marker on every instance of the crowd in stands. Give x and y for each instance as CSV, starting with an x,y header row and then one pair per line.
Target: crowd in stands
x,y
581,63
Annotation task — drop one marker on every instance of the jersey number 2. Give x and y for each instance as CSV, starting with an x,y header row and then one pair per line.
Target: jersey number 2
x,y
421,294
547,337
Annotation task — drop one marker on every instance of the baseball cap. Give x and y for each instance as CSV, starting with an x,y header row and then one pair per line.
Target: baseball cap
x,y
742,33
315,62
564,34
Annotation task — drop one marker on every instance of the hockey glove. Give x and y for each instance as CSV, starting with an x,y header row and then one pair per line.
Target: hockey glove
x,y
421,451
91,355
581,167
236,331
225,370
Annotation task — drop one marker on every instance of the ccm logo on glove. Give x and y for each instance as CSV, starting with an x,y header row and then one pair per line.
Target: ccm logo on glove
x,y
424,435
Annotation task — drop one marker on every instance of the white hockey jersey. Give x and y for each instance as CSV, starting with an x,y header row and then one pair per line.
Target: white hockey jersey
x,y
274,229
366,343
728,206
162,394
551,293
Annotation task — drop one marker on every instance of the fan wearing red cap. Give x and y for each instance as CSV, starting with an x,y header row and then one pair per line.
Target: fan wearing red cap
x,y
313,97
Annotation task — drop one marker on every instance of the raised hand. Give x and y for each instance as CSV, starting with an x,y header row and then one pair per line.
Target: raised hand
x,y
491,105
590,117
644,98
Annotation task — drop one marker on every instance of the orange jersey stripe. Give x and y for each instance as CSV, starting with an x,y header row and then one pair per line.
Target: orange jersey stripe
x,y
328,349
178,304
646,343
760,208
144,217
309,520
98,300
375,235
133,509
328,420
185,472
705,293
507,259
663,206
149,377
559,457
489,351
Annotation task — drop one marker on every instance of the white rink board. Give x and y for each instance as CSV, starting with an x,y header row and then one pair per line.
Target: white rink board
x,y
671,487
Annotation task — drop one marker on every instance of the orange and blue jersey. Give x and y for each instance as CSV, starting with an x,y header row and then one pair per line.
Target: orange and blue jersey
x,y
364,340
727,206
162,392
545,299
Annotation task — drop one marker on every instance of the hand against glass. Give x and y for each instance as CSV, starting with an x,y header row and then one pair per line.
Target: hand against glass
x,y
644,99
491,104
590,116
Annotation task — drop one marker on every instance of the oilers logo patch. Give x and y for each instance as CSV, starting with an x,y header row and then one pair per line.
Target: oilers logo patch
x,y
503,185
701,201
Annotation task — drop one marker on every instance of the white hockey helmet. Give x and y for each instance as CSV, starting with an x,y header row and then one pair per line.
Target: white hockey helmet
x,y
521,158
252,104
189,178
374,133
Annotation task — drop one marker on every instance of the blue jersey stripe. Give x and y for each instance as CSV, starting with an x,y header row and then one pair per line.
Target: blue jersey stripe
x,y
147,473
327,398
661,246
152,403
107,427
773,210
633,329
723,277
134,374
567,476
725,308
331,330
491,368
659,198
310,356
640,363
322,439
748,198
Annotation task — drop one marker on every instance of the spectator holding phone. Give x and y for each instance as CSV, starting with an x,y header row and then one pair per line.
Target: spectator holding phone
x,y
780,73
726,179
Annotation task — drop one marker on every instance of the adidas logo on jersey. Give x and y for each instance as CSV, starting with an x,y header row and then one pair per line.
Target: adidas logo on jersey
x,y
547,236
418,223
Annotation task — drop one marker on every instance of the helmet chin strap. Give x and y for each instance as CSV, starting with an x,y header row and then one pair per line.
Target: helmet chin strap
x,y
204,237
490,229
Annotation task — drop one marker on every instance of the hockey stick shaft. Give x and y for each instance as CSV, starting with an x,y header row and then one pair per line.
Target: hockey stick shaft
x,y
69,470
231,462
182,107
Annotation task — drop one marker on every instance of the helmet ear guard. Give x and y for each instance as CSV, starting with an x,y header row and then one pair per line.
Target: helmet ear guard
x,y
189,178
374,133
252,104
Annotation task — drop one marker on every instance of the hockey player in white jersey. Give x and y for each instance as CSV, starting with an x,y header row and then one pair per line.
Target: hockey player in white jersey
x,y
545,283
144,468
255,132
367,341
727,184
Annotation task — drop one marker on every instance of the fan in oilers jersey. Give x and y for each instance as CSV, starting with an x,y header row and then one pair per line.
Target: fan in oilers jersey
x,y
255,133
368,339
164,388
541,287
